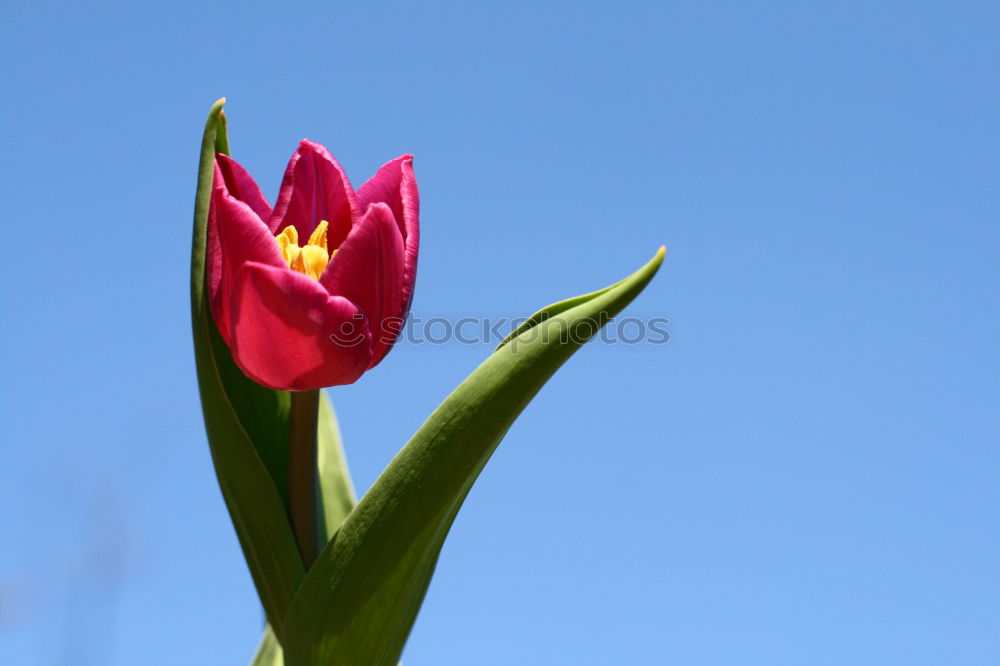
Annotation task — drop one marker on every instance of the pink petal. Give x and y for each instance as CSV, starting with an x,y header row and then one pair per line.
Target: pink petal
x,y
395,185
368,270
288,333
315,188
236,235
213,264
242,186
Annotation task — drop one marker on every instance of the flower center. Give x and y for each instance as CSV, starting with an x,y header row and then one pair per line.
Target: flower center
x,y
310,259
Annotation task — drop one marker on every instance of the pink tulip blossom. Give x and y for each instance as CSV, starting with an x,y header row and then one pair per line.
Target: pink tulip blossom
x,y
313,292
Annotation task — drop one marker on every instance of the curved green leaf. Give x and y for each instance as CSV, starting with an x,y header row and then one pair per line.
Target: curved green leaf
x,y
247,424
361,597
336,492
269,651
551,311
336,499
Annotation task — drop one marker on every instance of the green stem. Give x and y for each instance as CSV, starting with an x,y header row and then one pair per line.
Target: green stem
x,y
302,472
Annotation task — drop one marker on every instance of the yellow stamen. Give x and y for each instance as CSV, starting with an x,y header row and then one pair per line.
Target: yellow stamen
x,y
318,236
310,259
292,234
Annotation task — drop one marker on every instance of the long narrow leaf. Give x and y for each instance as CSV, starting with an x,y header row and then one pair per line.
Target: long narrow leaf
x,y
336,499
269,651
242,420
336,492
361,597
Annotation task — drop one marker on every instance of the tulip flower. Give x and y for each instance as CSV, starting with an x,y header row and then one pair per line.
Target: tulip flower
x,y
313,292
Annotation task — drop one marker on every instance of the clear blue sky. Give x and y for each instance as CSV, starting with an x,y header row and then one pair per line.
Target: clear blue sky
x,y
806,474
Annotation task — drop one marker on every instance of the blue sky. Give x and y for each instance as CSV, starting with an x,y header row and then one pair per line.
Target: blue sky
x,y
806,473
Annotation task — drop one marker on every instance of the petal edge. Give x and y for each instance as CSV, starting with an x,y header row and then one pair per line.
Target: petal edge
x,y
289,334
369,271
315,188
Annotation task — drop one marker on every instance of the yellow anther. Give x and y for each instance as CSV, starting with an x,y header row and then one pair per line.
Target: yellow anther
x,y
291,233
318,236
310,259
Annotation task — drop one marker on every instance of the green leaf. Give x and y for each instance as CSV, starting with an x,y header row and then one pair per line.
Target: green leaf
x,y
247,424
335,502
361,597
336,492
269,651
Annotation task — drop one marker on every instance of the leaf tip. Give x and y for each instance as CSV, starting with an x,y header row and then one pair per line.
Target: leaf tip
x,y
216,109
654,263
